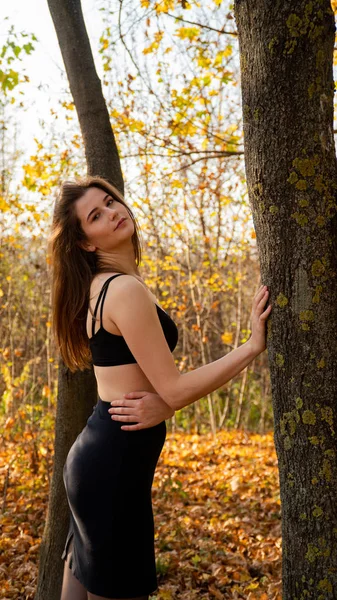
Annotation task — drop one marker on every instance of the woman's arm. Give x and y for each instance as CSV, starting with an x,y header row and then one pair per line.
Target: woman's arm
x,y
148,409
130,307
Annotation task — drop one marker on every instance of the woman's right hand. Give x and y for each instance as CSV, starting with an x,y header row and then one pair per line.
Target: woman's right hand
x,y
258,319
145,409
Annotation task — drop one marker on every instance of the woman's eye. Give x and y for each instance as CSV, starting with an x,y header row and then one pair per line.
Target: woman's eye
x,y
109,202
96,215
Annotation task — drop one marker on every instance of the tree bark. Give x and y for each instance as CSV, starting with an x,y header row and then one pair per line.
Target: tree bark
x,y
74,391
77,393
286,54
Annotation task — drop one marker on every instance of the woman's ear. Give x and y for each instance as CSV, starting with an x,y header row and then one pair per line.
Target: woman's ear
x,y
86,246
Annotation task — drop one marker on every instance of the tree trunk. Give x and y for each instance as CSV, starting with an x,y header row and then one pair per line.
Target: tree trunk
x,y
85,86
71,416
77,393
286,52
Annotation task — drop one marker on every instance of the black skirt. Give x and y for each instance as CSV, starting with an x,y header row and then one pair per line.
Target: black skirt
x,y
108,477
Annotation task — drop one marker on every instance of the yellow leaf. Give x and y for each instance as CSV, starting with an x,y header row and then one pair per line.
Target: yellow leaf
x,y
46,391
4,206
227,337
190,33
43,451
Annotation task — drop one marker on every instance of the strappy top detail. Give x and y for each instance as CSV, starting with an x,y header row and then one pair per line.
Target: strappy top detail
x,y
109,349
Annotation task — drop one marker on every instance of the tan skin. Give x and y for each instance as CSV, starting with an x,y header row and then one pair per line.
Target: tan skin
x,y
114,245
99,214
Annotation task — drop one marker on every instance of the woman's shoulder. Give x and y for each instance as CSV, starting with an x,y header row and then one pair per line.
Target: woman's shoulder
x,y
100,279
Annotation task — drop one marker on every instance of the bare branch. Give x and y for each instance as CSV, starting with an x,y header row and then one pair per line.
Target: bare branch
x,y
222,31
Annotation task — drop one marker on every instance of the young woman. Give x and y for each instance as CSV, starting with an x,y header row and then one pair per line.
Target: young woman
x,y
104,313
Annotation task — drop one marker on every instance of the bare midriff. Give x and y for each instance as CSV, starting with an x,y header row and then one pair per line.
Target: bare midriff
x,y
113,382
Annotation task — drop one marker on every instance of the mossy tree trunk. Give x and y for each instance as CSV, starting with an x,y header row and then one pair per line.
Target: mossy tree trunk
x,y
286,53
77,393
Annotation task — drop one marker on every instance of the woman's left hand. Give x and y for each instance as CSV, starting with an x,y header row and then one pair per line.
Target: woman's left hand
x,y
145,408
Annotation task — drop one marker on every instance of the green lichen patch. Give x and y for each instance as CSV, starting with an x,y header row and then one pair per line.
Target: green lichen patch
x,y
303,516
301,184
279,360
306,166
273,209
321,364
291,481
289,46
288,422
293,177
257,189
314,480
330,452
307,315
317,268
316,298
320,220
281,300
256,115
287,443
272,44
324,585
300,218
303,202
314,440
318,184
308,417
314,552
326,472
327,416
299,402
294,24
305,327
316,32
317,511
246,112
311,90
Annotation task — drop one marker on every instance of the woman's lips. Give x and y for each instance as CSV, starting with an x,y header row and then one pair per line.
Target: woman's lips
x,y
120,222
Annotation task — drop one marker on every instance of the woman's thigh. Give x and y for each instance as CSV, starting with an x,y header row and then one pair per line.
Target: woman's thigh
x,y
72,589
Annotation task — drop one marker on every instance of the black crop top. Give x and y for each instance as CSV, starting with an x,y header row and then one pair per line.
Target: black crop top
x,y
110,349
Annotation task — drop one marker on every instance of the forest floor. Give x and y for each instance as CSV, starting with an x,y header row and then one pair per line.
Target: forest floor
x,y
216,507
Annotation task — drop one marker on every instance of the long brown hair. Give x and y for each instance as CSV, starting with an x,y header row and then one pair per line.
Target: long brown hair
x,y
73,268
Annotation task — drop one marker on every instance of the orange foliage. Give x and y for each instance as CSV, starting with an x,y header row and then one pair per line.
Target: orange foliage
x,y
216,509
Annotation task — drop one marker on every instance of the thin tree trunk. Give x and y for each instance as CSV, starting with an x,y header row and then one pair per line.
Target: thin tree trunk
x,y
286,52
77,393
100,147
71,416
242,391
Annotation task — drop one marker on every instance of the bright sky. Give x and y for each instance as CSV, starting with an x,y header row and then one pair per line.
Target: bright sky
x,y
45,65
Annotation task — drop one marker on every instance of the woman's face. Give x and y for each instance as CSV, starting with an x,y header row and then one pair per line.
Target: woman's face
x,y
99,214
